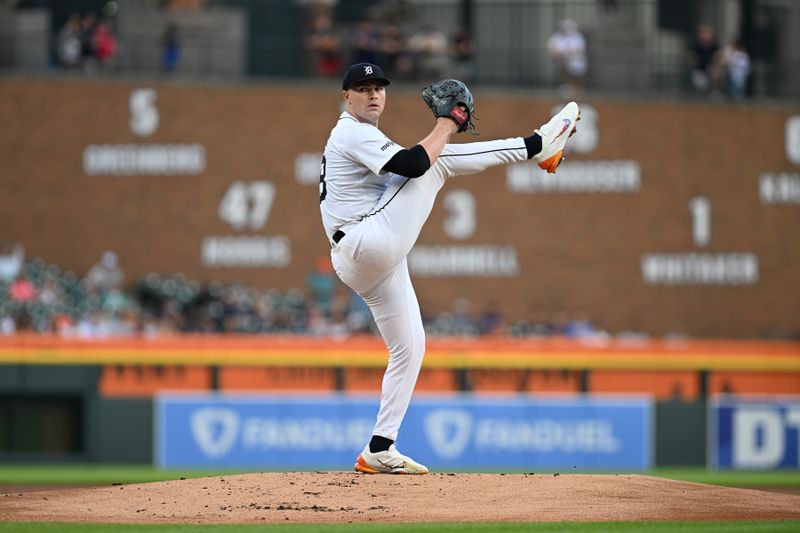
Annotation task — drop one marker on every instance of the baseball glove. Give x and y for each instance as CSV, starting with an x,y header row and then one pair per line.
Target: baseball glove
x,y
451,99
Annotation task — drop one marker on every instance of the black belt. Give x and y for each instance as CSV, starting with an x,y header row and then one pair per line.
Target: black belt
x,y
338,235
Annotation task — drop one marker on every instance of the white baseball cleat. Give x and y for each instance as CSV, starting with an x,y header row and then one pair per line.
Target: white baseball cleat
x,y
388,462
554,136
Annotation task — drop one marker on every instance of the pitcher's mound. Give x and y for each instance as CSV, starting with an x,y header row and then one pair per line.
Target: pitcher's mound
x,y
340,497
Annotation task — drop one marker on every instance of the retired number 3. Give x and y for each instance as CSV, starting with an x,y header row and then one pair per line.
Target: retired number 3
x,y
323,189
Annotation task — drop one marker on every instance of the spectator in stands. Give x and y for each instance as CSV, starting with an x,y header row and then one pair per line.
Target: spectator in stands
x,y
364,43
461,55
392,52
492,321
104,42
462,322
567,47
581,327
558,323
7,325
429,48
22,290
735,64
322,284
339,325
400,12
535,324
105,275
703,60
170,48
324,45
12,257
50,293
88,57
69,42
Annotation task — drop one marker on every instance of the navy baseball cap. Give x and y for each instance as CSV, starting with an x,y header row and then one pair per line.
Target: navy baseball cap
x,y
363,72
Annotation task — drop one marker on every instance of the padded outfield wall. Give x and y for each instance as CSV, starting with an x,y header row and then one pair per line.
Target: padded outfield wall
x,y
667,217
241,399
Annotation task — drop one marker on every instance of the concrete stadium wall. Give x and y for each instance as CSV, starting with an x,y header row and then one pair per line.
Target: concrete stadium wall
x,y
667,217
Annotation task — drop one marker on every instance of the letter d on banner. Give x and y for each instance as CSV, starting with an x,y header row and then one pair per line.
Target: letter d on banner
x,y
758,438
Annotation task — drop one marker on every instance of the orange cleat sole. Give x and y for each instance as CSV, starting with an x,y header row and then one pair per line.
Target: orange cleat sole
x,y
362,466
551,164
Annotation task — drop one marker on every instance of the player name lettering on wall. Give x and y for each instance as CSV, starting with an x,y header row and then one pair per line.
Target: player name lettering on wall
x,y
166,159
621,176
144,160
246,251
792,139
700,269
306,168
477,260
779,188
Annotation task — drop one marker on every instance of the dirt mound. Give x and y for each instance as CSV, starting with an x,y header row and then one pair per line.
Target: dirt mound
x,y
340,497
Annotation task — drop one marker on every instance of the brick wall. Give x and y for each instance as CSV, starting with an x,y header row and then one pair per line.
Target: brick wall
x,y
574,250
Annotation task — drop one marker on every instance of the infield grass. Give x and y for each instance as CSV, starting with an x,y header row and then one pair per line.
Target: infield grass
x,y
587,527
82,474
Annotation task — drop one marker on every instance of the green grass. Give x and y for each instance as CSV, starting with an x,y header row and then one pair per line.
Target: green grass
x,y
107,474
95,474
777,478
587,527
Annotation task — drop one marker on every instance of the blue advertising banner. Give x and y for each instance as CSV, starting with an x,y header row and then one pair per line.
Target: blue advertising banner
x,y
755,434
459,432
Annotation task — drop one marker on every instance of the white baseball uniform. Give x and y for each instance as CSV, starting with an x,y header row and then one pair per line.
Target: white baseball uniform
x,y
381,215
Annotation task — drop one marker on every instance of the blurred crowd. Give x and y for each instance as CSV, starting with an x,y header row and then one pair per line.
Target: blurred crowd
x,y
392,35
86,42
425,52
719,70
40,297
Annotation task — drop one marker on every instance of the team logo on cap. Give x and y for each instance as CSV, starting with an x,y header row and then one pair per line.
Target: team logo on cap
x,y
367,70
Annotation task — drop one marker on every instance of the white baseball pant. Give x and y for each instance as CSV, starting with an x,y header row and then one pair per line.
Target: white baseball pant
x,y
371,260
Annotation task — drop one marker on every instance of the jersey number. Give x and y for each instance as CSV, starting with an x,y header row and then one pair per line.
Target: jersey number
x,y
323,188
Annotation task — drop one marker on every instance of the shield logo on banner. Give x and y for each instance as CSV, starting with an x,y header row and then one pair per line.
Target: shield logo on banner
x,y
448,431
215,430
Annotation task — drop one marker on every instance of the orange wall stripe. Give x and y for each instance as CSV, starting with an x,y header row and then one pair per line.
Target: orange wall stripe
x,y
370,352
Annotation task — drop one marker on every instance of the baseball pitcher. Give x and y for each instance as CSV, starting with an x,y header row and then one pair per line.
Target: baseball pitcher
x,y
375,196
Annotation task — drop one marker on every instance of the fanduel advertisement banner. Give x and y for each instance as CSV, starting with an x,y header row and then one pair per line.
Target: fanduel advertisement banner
x,y
461,432
755,434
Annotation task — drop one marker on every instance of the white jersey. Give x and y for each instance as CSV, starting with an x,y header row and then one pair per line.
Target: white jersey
x,y
351,179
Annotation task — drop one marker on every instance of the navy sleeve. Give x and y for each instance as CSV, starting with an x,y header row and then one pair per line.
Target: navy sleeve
x,y
411,162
